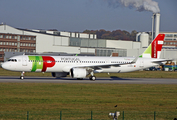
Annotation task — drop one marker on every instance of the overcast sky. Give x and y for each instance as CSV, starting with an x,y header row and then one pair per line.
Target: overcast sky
x,y
79,15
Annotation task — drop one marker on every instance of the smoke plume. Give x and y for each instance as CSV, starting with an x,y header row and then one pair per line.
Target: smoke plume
x,y
140,5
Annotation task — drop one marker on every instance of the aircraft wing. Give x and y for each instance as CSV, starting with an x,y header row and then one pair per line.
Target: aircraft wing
x,y
92,67
97,67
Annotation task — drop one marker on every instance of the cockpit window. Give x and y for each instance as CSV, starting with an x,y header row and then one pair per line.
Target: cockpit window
x,y
13,60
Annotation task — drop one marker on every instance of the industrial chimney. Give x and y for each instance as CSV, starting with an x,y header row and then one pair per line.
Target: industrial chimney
x,y
156,20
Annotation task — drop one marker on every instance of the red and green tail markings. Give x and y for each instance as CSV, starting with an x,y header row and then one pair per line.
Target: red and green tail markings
x,y
154,49
41,62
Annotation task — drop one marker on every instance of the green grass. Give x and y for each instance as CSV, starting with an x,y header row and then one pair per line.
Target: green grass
x,y
48,99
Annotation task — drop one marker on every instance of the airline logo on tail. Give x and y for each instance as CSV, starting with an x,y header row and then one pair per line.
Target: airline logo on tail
x,y
154,49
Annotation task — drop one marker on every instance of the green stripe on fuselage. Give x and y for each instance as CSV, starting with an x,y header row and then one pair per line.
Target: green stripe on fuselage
x,y
37,62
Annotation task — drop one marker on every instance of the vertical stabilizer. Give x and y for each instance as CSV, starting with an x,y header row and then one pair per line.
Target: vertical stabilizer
x,y
154,49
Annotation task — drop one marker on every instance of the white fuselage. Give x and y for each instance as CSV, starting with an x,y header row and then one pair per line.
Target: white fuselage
x,y
65,63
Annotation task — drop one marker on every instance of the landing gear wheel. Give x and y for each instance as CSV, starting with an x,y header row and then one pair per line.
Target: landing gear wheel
x,y
22,75
92,78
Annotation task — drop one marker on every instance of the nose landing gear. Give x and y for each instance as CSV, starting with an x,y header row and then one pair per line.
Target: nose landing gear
x,y
22,75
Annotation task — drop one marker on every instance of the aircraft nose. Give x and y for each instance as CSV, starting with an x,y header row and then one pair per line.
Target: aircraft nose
x,y
4,65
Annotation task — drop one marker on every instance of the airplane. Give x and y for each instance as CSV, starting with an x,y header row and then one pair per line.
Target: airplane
x,y
81,66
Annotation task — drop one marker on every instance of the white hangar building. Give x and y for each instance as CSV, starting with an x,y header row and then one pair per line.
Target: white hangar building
x,y
66,42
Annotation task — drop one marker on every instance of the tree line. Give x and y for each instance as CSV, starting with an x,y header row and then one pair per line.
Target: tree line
x,y
113,35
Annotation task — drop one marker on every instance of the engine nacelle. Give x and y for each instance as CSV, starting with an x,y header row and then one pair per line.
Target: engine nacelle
x,y
59,74
78,73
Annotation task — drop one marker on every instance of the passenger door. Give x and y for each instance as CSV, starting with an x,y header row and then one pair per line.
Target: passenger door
x,y
24,60
141,63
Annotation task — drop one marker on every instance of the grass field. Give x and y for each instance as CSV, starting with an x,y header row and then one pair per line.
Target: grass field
x,y
76,101
48,97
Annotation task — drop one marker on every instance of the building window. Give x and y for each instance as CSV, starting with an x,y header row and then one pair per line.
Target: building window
x,y
1,36
168,35
168,39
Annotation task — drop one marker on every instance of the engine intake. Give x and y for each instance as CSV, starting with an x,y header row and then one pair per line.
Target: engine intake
x,y
78,73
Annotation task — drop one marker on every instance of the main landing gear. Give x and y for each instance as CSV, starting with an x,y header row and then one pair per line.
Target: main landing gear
x,y
92,77
22,75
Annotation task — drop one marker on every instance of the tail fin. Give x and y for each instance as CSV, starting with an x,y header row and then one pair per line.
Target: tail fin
x,y
154,49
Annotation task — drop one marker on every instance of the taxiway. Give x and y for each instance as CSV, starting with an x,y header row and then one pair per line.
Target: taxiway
x,y
86,80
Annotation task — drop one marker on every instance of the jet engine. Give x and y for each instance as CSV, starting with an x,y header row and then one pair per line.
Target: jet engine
x,y
59,74
78,73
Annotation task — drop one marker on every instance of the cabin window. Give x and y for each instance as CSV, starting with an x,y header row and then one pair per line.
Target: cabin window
x,y
13,60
